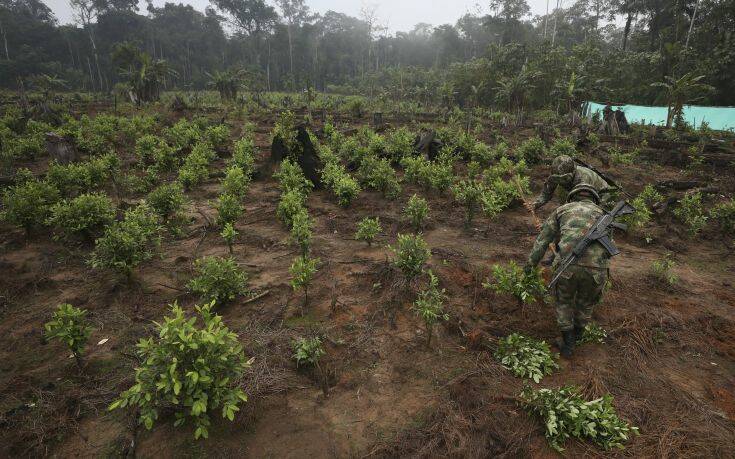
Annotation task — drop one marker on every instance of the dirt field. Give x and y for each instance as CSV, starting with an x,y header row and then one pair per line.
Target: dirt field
x,y
669,360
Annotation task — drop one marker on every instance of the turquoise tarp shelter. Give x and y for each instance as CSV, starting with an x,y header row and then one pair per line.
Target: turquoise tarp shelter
x,y
719,118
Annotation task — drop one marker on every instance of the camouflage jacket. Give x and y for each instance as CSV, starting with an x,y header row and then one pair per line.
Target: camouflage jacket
x,y
569,181
564,227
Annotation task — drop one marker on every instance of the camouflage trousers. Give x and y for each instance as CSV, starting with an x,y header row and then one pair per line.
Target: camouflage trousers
x,y
577,292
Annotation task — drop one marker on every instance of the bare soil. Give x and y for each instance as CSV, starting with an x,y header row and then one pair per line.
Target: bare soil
x,y
669,360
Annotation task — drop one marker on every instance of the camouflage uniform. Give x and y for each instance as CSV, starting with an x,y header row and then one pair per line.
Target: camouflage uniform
x,y
568,175
581,286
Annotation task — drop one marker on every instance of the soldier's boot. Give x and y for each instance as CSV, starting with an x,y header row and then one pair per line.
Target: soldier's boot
x,y
568,341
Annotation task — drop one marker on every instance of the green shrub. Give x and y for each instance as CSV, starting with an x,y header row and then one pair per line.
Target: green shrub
x,y
617,156
650,196
86,215
285,127
83,177
379,175
526,357
291,203
505,169
70,326
592,333
367,229
724,214
482,153
399,143
183,134
308,351
411,253
662,270
474,170
236,182
218,279
642,203
468,193
69,179
344,187
563,146
195,169
441,174
193,370
28,204
291,178
429,306
525,287
565,414
416,211
302,272
218,136
228,208
691,213
301,231
229,234
531,150
167,200
127,243
28,146
153,149
243,155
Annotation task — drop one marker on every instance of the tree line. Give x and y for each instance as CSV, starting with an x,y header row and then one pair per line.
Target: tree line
x,y
615,50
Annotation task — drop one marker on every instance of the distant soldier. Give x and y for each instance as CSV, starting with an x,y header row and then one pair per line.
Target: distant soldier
x,y
567,174
622,121
580,286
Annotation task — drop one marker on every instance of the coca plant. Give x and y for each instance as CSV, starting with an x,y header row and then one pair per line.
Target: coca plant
x,y
127,243
70,326
302,272
367,229
218,279
411,254
429,306
193,370
28,204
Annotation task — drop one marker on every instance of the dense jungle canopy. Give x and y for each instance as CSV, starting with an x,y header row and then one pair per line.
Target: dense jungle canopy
x,y
615,50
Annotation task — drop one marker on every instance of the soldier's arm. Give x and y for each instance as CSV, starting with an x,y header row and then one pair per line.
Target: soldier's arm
x,y
546,194
548,234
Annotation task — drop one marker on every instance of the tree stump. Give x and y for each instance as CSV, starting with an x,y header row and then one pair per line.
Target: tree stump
x,y
61,149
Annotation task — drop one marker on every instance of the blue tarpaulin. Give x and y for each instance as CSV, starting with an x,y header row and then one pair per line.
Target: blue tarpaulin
x,y
719,118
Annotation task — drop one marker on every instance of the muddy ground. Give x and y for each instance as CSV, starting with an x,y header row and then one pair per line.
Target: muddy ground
x,y
669,360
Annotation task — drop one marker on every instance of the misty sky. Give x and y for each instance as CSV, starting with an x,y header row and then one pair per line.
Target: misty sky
x,y
396,14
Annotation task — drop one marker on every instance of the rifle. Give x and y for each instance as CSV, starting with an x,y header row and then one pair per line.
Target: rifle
x,y
604,176
600,232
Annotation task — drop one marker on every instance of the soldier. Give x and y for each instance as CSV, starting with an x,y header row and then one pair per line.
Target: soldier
x,y
581,286
567,174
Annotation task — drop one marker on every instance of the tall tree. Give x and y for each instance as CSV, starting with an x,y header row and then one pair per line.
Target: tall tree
x,y
295,12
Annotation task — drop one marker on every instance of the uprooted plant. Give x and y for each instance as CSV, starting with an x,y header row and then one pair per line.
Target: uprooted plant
x,y
565,414
526,357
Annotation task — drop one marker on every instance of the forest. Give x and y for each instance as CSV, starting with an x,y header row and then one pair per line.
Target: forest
x,y
606,50
260,230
